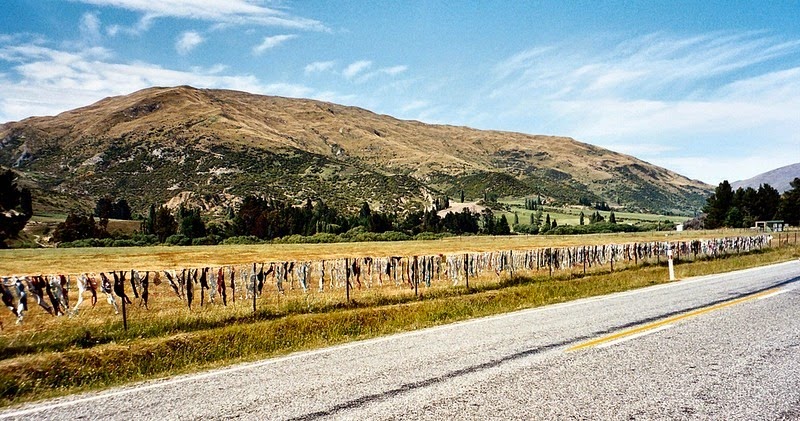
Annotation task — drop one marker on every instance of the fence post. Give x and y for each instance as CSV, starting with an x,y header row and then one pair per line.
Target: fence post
x,y
416,276
511,263
584,260
612,259
550,261
124,315
347,279
466,269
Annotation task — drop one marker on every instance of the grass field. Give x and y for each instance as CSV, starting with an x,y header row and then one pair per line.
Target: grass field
x,y
48,356
79,260
571,215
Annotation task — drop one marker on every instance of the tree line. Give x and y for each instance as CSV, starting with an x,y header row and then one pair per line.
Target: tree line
x,y
744,206
268,219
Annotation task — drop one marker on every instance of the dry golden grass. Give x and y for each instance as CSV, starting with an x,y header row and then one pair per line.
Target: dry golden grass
x,y
47,356
79,260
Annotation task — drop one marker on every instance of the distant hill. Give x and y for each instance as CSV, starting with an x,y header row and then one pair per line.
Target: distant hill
x,y
212,147
778,178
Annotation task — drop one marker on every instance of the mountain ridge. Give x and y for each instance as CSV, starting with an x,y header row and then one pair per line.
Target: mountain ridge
x,y
779,178
159,143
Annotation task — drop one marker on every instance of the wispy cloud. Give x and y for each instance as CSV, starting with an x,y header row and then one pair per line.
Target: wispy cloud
x,y
650,66
90,28
394,70
659,89
359,71
355,68
228,11
319,66
271,42
141,26
187,42
46,81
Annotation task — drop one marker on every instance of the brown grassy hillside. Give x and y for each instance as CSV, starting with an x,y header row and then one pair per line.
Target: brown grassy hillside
x,y
216,145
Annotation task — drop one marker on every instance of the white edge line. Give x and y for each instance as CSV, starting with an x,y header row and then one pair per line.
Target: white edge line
x,y
247,366
634,336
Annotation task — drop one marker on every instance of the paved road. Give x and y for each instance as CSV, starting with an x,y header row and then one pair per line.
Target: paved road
x,y
717,347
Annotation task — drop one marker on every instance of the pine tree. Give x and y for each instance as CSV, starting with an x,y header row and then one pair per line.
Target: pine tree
x,y
612,218
789,208
501,227
192,225
718,205
364,215
582,218
164,224
151,220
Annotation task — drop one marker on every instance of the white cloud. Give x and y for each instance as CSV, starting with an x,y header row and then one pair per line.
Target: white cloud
x,y
228,11
731,97
395,70
90,28
319,66
187,42
47,81
213,70
355,68
140,27
646,67
271,42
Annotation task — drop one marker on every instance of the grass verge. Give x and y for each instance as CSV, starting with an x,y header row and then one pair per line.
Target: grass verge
x,y
135,357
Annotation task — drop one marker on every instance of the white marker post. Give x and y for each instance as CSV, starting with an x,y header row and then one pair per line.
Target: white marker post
x,y
671,268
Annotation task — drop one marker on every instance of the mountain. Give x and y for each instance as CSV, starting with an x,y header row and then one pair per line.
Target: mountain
x,y
212,147
778,178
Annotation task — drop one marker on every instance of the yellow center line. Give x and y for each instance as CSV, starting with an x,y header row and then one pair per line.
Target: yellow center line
x,y
657,324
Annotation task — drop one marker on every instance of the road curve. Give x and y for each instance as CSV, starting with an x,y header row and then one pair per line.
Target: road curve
x,y
722,347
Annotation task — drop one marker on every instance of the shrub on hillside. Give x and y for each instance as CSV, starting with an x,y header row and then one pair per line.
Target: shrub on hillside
x,y
242,239
596,228
178,240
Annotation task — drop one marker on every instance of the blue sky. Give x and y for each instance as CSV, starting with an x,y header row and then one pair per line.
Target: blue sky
x,y
708,89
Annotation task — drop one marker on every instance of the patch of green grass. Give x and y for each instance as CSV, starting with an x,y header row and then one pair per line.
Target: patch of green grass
x,y
186,342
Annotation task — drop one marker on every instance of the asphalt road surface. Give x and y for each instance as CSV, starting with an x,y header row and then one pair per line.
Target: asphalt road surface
x,y
716,347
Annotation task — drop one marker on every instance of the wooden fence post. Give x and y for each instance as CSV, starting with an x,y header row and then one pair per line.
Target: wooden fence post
x,y
466,269
124,315
511,263
347,279
612,259
584,260
416,277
